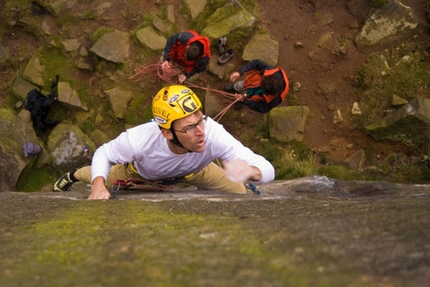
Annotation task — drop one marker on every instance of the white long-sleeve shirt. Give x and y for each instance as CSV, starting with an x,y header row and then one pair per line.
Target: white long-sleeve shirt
x,y
147,149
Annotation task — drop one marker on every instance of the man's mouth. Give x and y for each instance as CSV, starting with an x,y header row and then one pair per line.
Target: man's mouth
x,y
200,142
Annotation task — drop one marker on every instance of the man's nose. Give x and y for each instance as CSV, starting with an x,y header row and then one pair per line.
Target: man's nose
x,y
199,129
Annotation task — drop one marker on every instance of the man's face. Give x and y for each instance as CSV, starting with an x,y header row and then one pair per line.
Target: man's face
x,y
191,132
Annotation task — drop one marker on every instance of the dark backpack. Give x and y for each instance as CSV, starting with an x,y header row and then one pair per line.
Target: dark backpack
x,y
39,105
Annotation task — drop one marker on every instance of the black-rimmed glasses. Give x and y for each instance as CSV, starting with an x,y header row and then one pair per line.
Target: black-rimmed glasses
x,y
191,129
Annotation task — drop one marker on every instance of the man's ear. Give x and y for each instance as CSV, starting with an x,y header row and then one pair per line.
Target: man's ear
x,y
167,134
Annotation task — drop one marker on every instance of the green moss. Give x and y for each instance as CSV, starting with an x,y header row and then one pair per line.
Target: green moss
x,y
139,110
87,126
14,10
379,3
145,22
403,71
165,246
34,178
90,15
56,62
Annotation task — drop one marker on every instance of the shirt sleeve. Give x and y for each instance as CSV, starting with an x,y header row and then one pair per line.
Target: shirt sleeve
x,y
117,151
201,64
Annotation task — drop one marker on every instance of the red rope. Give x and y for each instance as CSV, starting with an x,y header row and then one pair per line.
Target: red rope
x,y
137,183
227,99
165,75
141,184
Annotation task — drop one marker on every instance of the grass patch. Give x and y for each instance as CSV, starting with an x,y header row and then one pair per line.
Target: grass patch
x,y
340,172
294,161
56,62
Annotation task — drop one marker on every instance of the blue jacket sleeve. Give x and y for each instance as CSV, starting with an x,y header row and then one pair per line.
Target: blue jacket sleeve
x,y
255,65
201,64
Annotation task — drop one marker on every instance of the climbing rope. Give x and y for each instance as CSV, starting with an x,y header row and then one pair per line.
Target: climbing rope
x,y
138,183
227,99
164,74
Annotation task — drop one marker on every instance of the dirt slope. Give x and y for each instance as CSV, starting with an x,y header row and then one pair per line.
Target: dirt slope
x,y
301,21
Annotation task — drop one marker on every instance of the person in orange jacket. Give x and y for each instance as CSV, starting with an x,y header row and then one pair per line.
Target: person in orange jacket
x,y
263,88
189,50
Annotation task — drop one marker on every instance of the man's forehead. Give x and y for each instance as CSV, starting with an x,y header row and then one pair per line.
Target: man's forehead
x,y
191,119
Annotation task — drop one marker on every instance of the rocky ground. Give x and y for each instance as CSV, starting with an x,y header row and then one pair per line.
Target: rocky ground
x,y
301,21
297,233
327,84
327,78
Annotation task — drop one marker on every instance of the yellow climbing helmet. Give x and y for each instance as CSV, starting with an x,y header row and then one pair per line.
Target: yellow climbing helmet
x,y
173,103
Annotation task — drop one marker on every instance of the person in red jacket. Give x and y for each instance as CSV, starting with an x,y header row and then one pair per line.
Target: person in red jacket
x,y
263,88
189,50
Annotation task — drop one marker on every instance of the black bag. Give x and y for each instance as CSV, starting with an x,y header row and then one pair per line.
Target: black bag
x,y
38,105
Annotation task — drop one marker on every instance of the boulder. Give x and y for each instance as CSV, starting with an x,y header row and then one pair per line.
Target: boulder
x,y
15,130
212,104
119,100
33,72
196,7
287,123
149,37
226,19
69,96
409,125
113,46
263,47
393,19
21,88
67,144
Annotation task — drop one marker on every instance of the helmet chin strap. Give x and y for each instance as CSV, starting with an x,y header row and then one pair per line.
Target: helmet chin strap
x,y
176,141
